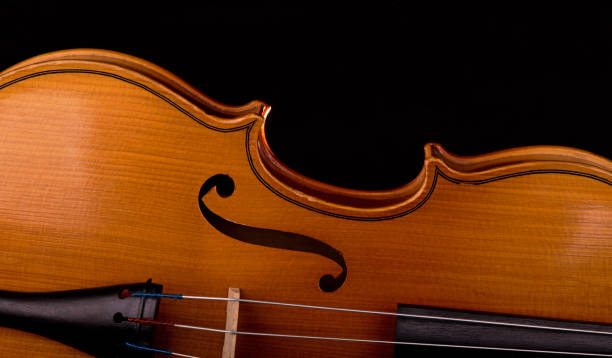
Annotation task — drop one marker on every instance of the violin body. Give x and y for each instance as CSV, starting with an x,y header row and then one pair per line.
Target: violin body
x,y
110,171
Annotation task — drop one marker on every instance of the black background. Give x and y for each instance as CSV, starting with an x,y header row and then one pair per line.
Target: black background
x,y
357,91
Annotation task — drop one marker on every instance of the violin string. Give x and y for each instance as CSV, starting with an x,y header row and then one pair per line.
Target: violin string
x,y
358,340
383,313
156,350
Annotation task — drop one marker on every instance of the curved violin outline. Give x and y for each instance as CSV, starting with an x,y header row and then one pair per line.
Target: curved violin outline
x,y
248,126
268,237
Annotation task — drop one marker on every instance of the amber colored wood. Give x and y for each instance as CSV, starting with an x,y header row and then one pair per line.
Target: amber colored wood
x,y
231,324
102,157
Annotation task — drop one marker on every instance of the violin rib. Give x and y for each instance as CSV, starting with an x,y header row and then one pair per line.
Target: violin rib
x,y
384,204
150,70
381,201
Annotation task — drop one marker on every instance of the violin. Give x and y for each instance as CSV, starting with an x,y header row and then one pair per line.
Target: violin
x,y
140,218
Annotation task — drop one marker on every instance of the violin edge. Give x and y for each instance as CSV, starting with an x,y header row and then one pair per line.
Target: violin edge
x,y
310,193
151,70
514,156
487,167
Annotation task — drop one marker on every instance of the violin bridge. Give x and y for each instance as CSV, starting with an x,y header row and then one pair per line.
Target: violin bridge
x,y
231,324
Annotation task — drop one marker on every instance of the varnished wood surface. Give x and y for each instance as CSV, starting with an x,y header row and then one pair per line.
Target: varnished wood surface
x,y
102,158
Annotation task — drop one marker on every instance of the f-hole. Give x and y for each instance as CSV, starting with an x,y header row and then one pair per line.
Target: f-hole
x,y
269,237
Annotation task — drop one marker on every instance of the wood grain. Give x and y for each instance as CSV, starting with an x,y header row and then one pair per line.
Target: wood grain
x,y
102,157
